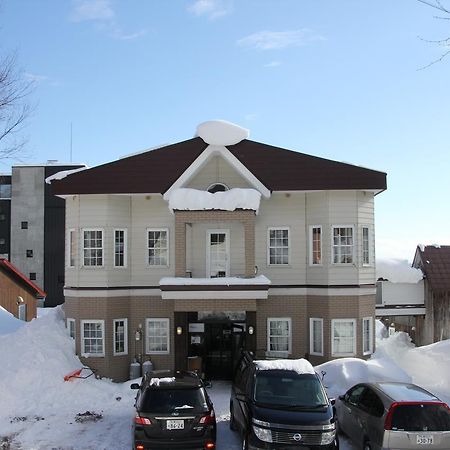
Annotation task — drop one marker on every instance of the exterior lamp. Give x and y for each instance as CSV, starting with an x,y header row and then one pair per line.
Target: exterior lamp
x,y
179,331
251,330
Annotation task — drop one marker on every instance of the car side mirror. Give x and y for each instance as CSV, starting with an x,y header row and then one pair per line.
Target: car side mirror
x,y
332,401
134,386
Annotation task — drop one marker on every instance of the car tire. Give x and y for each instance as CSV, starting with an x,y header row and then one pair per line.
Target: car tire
x,y
232,420
367,446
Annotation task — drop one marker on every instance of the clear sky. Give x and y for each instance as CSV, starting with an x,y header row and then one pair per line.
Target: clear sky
x,y
335,79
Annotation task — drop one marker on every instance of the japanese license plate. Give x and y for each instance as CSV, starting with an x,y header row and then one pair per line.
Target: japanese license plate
x,y
424,440
175,424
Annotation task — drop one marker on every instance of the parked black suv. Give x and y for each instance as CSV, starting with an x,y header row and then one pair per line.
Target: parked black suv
x,y
173,411
281,404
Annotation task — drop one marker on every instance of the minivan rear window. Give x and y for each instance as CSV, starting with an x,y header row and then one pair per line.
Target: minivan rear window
x,y
294,390
174,400
421,417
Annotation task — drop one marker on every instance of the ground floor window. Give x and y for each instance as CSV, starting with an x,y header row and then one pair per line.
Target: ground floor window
x,y
343,337
316,336
92,338
120,336
157,335
279,334
71,327
367,335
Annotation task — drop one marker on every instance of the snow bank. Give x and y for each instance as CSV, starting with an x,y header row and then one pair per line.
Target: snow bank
x,y
398,271
221,132
221,281
158,381
9,323
63,174
300,366
186,199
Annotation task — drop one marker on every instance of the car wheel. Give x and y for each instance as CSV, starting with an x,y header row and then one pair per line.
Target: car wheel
x,y
367,446
232,420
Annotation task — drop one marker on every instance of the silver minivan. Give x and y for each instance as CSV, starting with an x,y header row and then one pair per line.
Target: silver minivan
x,y
389,415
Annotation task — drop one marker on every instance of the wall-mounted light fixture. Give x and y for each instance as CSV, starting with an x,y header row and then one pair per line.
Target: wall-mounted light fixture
x,y
251,330
179,331
20,300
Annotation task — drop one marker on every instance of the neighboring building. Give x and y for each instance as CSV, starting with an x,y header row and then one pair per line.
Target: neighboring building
x,y
434,262
37,228
5,215
216,243
18,294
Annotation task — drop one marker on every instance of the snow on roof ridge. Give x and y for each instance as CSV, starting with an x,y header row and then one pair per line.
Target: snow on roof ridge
x,y
63,174
301,366
221,132
194,199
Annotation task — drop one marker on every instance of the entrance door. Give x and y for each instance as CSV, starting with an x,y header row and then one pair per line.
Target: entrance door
x,y
217,257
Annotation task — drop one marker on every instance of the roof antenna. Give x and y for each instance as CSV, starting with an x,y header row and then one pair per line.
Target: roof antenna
x,y
71,142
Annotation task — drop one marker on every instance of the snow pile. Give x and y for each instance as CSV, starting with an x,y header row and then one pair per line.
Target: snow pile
x,y
221,132
398,271
186,199
63,174
300,366
220,281
158,381
9,323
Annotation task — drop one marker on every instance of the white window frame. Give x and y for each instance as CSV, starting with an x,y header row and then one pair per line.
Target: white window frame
x,y
333,351
125,333
208,250
333,247
70,324
125,248
311,246
278,319
313,320
363,251
22,312
369,321
147,336
155,266
269,229
83,248
83,338
71,256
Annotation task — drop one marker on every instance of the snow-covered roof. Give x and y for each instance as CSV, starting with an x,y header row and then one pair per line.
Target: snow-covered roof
x,y
63,174
187,199
220,281
221,132
301,366
158,381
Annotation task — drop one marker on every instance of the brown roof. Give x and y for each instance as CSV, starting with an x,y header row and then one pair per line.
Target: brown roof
x,y
277,168
20,278
434,261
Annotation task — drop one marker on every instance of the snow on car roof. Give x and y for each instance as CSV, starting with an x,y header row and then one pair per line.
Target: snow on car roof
x,y
301,366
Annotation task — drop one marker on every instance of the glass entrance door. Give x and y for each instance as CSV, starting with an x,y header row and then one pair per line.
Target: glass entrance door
x,y
217,253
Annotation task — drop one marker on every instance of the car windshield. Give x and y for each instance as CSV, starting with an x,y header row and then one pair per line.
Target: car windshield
x,y
169,401
289,390
421,417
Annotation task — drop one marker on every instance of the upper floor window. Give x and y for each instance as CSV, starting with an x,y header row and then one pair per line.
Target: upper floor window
x,y
158,247
278,246
343,337
92,247
71,248
24,225
279,338
315,245
29,253
217,187
342,244
120,248
93,337
157,336
365,246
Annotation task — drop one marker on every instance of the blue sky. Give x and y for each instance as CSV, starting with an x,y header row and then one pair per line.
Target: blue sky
x,y
336,79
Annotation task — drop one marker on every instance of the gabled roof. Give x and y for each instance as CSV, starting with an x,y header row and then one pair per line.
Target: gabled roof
x,y
20,278
276,168
434,261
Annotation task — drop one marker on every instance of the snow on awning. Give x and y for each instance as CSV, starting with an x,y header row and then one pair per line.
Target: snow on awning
x,y
220,281
187,199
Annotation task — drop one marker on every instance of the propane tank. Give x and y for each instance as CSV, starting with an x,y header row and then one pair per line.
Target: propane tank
x,y
135,370
147,367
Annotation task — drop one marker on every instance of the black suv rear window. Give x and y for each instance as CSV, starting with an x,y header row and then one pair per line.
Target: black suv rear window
x,y
421,417
171,400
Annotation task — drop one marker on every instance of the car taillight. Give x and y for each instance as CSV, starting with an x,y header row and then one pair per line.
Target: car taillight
x,y
210,445
142,421
208,420
140,447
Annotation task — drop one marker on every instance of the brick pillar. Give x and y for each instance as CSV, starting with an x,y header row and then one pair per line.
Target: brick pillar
x,y
180,246
249,238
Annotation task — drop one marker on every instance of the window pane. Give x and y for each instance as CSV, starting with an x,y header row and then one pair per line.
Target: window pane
x,y
279,334
93,248
93,337
342,245
343,336
158,335
279,246
157,248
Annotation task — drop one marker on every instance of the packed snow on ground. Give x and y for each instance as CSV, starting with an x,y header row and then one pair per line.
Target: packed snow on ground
x,y
9,323
221,132
187,199
39,411
297,365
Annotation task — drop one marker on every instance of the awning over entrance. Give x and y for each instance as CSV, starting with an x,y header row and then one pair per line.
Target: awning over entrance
x,y
215,288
